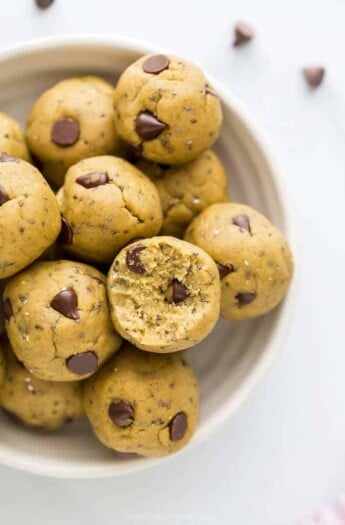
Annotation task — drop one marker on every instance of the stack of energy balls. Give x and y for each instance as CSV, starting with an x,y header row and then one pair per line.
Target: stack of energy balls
x,y
139,197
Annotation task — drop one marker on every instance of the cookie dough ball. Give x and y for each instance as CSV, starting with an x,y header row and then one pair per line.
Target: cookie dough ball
x,y
107,203
165,107
58,320
254,259
143,403
187,190
69,122
164,294
2,366
12,139
29,215
38,403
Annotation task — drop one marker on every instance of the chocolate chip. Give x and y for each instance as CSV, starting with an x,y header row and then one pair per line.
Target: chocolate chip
x,y
121,413
224,269
148,126
92,180
43,4
177,292
178,426
65,131
5,157
81,364
133,259
242,221
66,303
66,232
156,64
243,34
244,298
3,196
209,91
314,75
7,310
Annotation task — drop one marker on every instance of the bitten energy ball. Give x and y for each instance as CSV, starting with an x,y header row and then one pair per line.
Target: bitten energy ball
x,y
254,260
69,122
187,190
165,109
38,403
164,294
29,215
2,365
12,139
143,403
107,203
58,321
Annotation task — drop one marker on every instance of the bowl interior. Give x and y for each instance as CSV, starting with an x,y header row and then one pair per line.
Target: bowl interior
x,y
232,358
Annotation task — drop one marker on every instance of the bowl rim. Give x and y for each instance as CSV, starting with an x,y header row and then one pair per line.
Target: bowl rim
x,y
24,461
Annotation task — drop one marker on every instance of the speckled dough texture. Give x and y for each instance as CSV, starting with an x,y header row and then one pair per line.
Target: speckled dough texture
x,y
37,403
12,139
153,389
164,294
2,365
88,100
52,334
188,111
29,215
122,204
255,260
185,191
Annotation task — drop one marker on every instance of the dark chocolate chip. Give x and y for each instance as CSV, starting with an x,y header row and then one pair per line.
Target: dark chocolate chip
x,y
243,34
179,292
178,426
242,221
81,364
5,157
148,126
7,310
44,4
156,64
92,180
133,259
244,298
65,131
121,413
3,196
66,232
314,75
225,269
66,303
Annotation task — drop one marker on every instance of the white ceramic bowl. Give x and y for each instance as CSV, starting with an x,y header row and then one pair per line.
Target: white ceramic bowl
x,y
231,361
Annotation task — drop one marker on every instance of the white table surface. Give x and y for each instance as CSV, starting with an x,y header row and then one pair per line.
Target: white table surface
x,y
283,454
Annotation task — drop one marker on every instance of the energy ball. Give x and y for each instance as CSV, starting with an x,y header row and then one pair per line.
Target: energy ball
x,y
58,321
187,190
254,260
12,138
29,215
143,403
37,403
165,109
107,202
164,294
71,121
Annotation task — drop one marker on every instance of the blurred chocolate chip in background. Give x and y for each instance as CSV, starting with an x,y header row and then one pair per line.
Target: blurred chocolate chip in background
x,y
243,34
43,4
314,75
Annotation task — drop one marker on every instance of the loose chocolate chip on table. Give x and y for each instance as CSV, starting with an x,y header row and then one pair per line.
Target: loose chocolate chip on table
x,y
92,180
7,311
242,221
133,259
148,126
81,364
65,131
244,298
66,303
178,426
156,64
66,232
5,157
243,34
121,413
3,196
43,4
314,75
224,269
178,292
